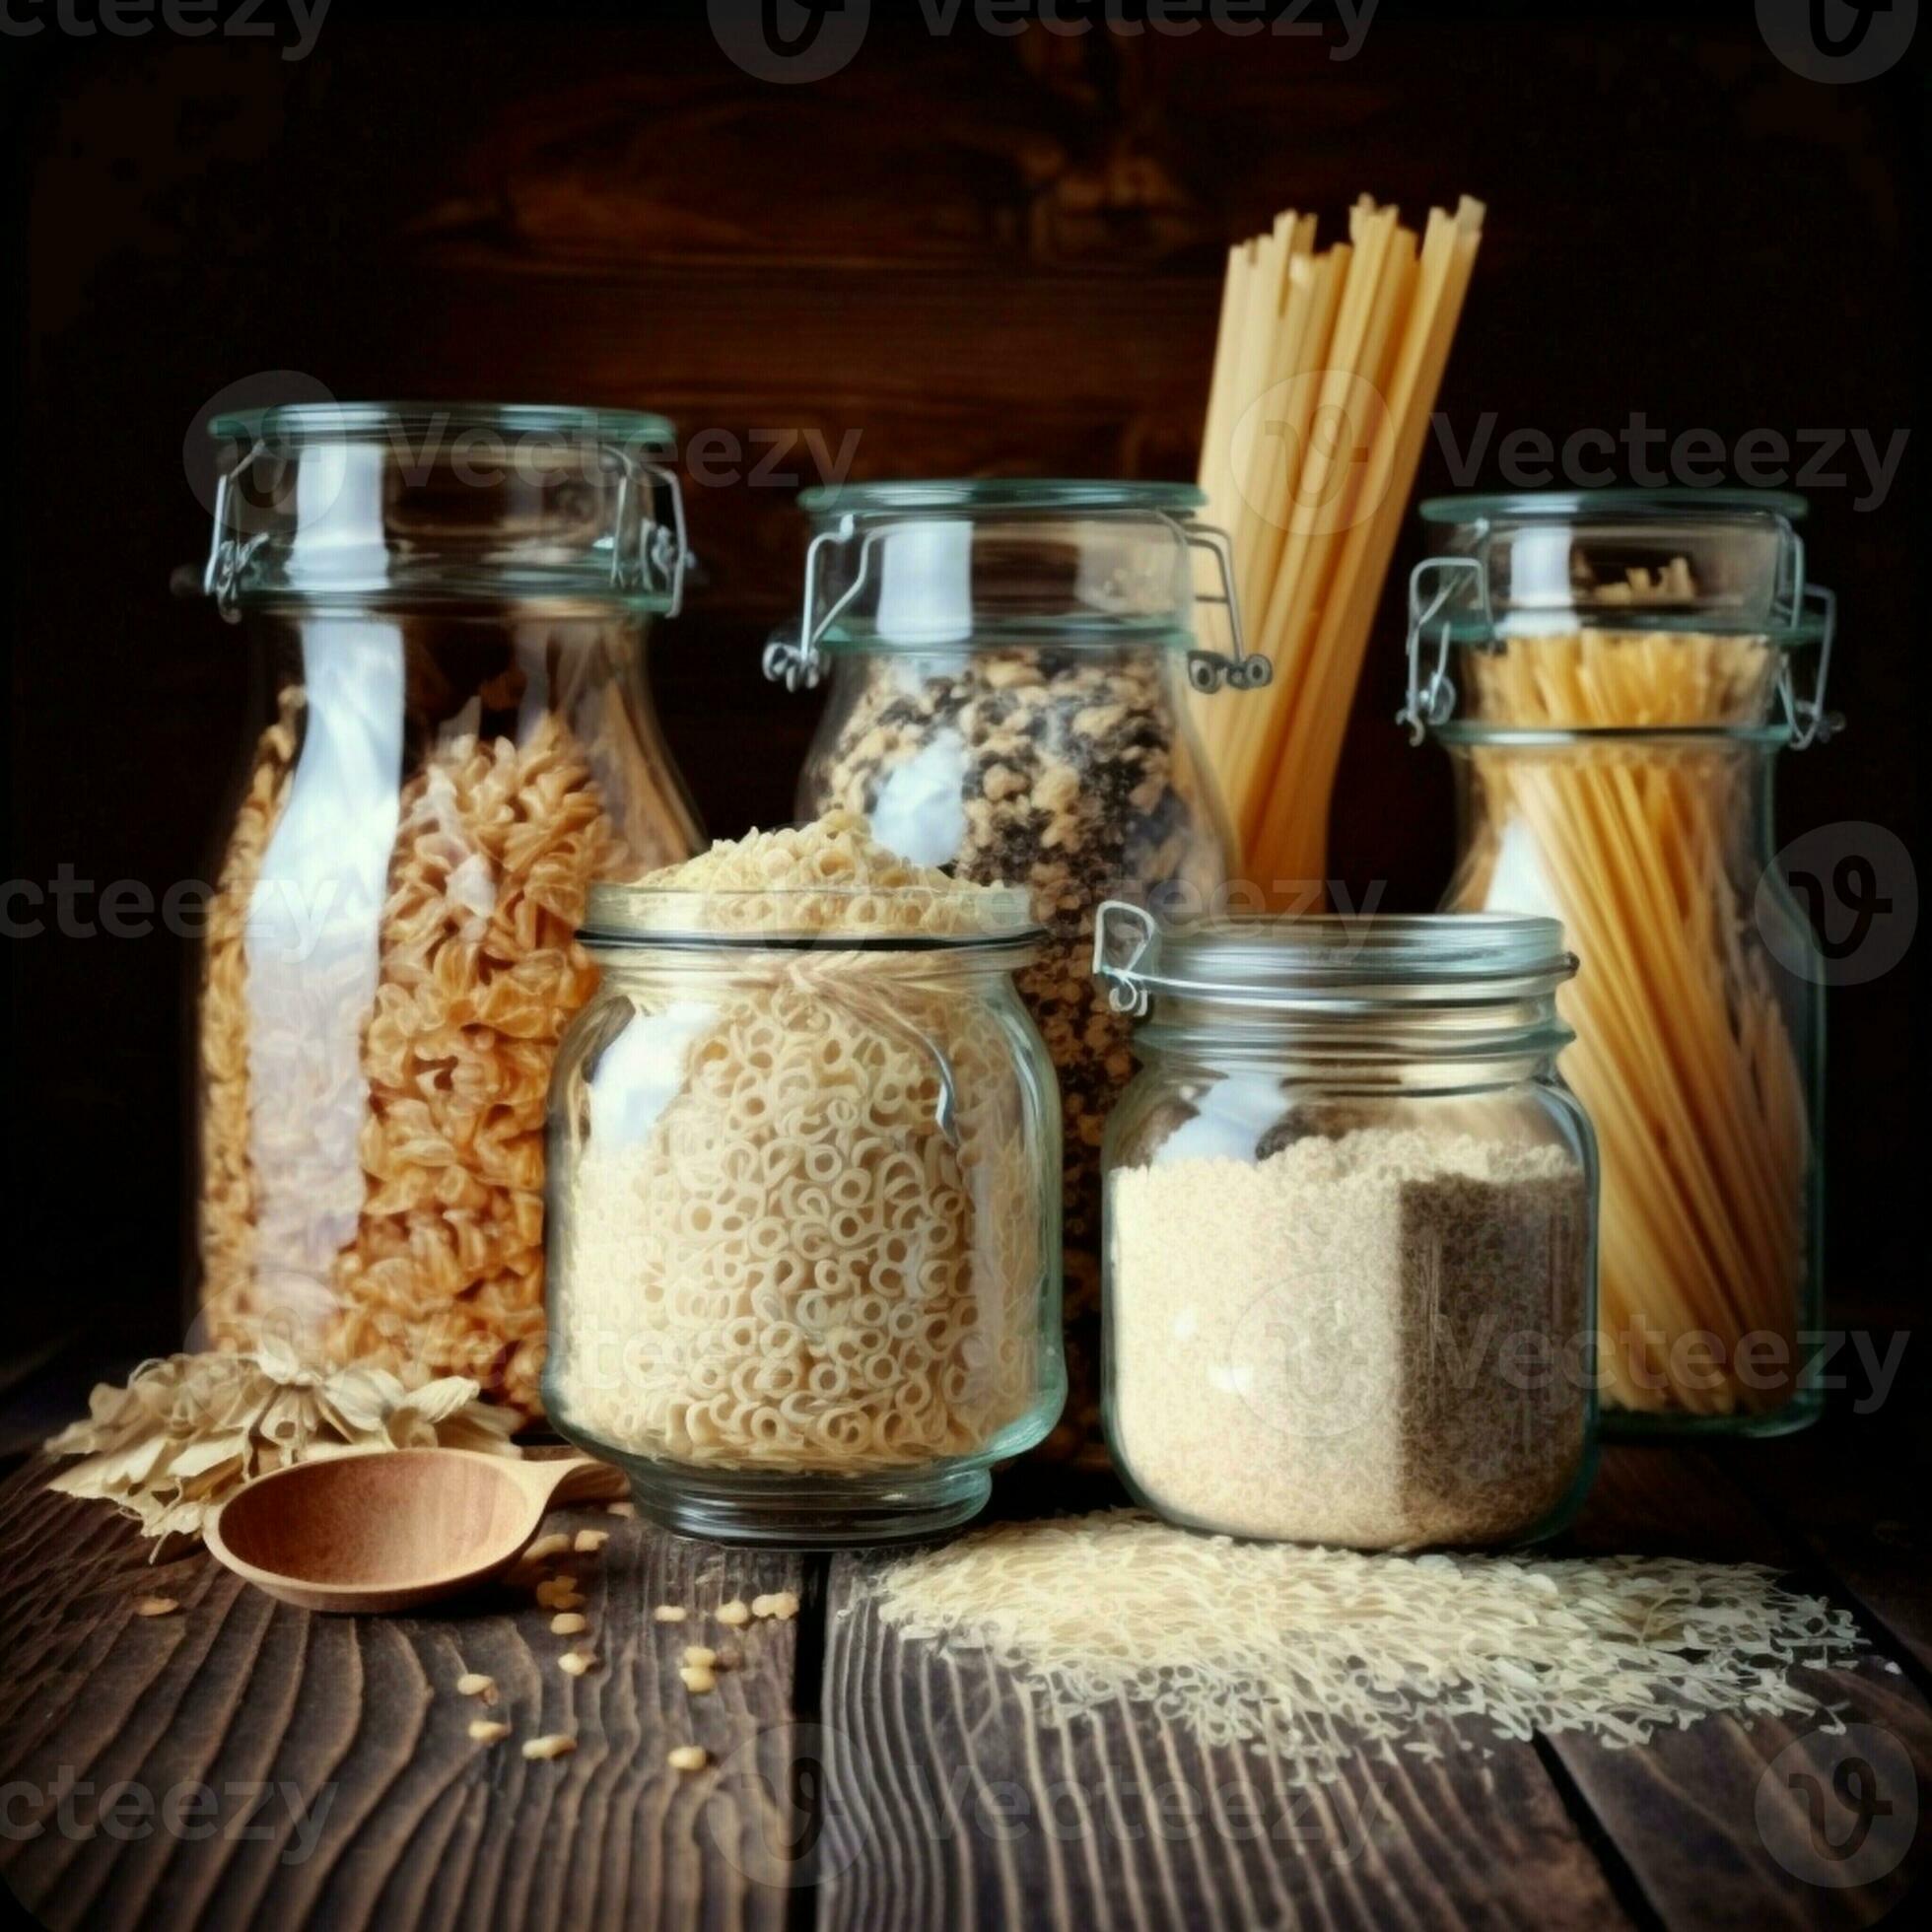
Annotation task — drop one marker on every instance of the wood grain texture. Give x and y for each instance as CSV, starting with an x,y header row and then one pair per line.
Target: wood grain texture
x,y
1852,1495
949,1804
858,1780
378,1810
1684,1811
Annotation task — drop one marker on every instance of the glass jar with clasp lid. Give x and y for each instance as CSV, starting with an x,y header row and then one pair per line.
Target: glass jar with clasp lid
x,y
453,739
1614,674
1010,661
1350,1217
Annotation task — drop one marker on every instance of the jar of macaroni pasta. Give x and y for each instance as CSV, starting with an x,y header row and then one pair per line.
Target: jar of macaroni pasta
x,y
448,606
1010,661
804,1195
1614,675
1351,1230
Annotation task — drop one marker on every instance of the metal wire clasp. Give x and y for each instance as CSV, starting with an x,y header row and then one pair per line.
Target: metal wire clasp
x,y
1431,702
1209,670
1811,724
1126,991
228,552
664,549
792,657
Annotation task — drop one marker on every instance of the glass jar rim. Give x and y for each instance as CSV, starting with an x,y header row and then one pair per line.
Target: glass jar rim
x,y
300,423
1570,506
1333,962
622,916
1018,494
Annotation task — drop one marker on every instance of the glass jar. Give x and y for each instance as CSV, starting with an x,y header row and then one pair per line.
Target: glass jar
x,y
452,739
1351,1230
805,1209
1009,663
1614,675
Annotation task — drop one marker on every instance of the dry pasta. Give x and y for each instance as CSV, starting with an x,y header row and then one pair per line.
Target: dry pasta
x,y
1326,369
372,1167
830,1249
1683,1056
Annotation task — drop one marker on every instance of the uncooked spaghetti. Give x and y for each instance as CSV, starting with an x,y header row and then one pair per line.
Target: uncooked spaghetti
x,y
1325,370
1684,1054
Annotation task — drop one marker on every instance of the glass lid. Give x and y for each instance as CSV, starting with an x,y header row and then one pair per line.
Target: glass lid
x,y
323,422
1000,492
394,506
1531,505
1011,563
1329,962
1716,562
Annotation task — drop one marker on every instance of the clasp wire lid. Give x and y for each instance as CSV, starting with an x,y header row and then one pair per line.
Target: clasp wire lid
x,y
1433,701
1328,963
1454,595
647,556
795,655
1209,670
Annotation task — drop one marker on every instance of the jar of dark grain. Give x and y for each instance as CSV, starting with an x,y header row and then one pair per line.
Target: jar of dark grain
x,y
1008,662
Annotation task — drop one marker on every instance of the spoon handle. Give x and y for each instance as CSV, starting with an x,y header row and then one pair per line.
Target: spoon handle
x,y
581,1479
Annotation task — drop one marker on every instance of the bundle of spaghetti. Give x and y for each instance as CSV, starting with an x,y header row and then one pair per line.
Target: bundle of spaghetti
x,y
1326,369
1684,1058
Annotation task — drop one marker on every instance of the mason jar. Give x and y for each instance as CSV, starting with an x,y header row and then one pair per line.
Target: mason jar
x,y
805,1209
451,738
1614,675
1351,1230
1010,661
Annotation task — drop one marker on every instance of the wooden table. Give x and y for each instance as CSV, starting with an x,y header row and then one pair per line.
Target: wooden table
x,y
237,1762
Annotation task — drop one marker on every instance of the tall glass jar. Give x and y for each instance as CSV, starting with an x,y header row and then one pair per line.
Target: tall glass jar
x,y
1614,675
805,1209
1010,661
1351,1216
452,739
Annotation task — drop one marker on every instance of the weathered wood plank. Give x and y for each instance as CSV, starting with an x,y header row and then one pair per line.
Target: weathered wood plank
x,y
1706,1820
950,1803
1852,1493
379,1808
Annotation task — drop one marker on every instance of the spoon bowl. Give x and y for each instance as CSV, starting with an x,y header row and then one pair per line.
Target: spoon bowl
x,y
392,1529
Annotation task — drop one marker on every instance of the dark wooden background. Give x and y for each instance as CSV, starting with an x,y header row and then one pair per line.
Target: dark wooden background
x,y
975,254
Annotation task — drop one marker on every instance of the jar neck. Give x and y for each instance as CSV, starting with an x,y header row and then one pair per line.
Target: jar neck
x,y
1156,659
704,966
1410,1047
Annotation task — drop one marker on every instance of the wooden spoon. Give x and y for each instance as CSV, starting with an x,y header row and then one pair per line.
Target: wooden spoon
x,y
393,1528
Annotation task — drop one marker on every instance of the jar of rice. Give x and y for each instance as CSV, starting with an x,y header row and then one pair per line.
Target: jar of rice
x,y
1351,1230
804,1193
448,606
